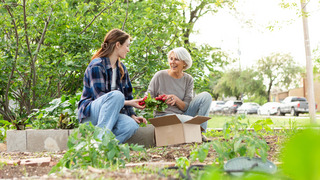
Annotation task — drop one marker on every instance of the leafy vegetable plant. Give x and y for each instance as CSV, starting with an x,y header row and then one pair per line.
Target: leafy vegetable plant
x,y
263,124
237,141
86,148
183,163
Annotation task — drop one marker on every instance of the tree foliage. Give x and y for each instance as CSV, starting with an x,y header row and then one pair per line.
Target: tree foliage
x,y
280,70
207,82
239,83
316,60
48,44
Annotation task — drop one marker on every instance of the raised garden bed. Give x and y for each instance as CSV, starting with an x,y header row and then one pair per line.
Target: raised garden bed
x,y
142,166
56,139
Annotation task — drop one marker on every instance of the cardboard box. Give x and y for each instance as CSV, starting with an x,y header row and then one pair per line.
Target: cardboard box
x,y
177,129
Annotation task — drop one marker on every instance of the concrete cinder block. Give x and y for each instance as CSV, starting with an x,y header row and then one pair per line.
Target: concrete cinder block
x,y
143,136
47,140
56,139
70,131
16,141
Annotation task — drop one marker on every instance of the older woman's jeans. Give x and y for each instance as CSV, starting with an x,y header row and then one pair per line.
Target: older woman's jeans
x,y
200,105
105,113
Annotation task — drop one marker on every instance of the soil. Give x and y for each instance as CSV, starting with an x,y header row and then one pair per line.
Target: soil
x,y
157,156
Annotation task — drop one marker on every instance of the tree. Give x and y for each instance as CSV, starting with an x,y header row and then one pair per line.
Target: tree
x,y
279,69
198,8
48,45
209,81
155,39
205,58
45,51
239,83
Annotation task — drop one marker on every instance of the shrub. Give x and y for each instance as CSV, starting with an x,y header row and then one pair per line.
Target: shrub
x,y
61,113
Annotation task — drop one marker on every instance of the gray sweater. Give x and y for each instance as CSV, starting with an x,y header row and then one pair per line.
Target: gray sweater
x,y
163,83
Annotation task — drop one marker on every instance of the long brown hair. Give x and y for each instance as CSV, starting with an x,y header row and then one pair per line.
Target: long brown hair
x,y
109,44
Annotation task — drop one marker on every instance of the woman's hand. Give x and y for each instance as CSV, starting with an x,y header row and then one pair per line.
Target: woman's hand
x,y
139,119
171,99
134,103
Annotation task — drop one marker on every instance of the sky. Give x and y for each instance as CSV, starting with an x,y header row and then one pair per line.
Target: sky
x,y
251,42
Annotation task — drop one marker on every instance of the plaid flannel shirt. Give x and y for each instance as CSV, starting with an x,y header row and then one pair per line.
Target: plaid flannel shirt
x,y
97,82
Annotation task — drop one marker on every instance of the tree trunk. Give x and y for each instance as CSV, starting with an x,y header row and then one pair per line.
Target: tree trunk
x,y
309,65
269,89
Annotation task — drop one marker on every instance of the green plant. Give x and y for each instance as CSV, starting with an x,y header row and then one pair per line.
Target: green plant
x,y
67,122
263,124
301,156
183,163
239,141
3,134
2,164
61,113
213,133
200,153
19,123
4,126
289,129
86,148
300,159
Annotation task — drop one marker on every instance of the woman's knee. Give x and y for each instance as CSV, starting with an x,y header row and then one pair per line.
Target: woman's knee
x,y
116,96
205,95
134,125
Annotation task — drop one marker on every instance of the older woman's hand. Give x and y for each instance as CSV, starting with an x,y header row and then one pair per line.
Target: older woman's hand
x,y
171,99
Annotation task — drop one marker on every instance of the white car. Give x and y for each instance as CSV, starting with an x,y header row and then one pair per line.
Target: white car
x,y
269,108
216,106
248,108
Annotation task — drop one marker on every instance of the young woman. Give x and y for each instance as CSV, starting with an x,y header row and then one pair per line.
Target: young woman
x,y
106,99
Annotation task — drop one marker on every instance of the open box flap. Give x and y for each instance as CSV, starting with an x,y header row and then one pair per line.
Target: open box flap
x,y
164,120
198,120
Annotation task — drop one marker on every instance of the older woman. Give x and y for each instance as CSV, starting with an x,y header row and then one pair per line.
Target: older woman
x,y
178,88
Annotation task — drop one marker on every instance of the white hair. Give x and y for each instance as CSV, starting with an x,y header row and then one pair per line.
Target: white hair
x,y
182,54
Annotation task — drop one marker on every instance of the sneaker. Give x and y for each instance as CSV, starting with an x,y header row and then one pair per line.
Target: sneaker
x,y
205,139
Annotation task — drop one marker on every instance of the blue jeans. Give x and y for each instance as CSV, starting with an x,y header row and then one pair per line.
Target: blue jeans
x,y
105,113
200,105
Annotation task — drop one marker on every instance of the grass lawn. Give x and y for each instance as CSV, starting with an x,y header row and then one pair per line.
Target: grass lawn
x,y
218,121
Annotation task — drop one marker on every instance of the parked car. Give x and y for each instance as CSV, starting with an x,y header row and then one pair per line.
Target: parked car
x,y
293,105
216,106
248,108
230,107
269,108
